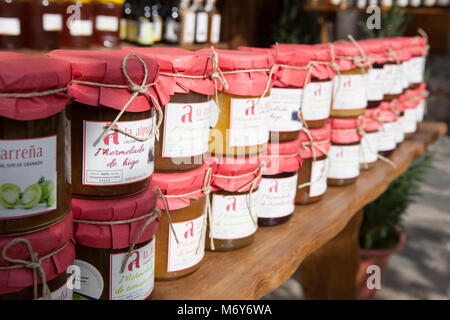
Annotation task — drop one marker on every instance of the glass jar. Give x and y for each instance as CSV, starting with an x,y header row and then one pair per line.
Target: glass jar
x,y
43,24
368,152
375,88
350,93
234,219
78,33
316,105
393,81
12,16
107,22
387,137
416,71
35,187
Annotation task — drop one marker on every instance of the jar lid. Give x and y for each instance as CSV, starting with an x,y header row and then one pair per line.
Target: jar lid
x,y
21,73
408,100
398,46
181,62
345,130
345,54
386,113
235,174
375,49
185,186
282,157
321,141
244,83
105,68
417,46
114,236
55,241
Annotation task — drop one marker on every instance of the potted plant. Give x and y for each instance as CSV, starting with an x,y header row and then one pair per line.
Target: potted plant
x,y
381,233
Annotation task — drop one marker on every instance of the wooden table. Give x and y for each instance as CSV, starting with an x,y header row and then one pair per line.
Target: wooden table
x,y
277,252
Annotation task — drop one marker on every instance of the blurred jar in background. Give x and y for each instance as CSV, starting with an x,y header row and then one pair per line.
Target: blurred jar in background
x,y
11,24
107,22
78,24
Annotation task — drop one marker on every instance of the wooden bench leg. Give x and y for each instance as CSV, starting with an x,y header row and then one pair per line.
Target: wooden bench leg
x,y
331,271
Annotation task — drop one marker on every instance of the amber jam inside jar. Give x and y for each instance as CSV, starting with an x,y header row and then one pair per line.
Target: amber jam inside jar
x,y
344,163
313,172
35,190
11,24
187,120
104,266
174,260
80,33
107,22
43,24
369,150
277,194
350,99
233,223
57,286
241,129
118,165
316,105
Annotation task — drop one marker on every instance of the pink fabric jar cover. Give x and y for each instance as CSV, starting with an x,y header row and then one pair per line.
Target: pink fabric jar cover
x,y
321,136
282,157
345,130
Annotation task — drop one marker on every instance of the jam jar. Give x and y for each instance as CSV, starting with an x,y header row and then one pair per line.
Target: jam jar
x,y
416,65
35,185
278,185
387,138
111,164
350,87
408,121
180,241
77,33
43,24
55,247
344,152
312,176
421,94
184,134
235,202
12,18
107,22
116,256
241,129
368,153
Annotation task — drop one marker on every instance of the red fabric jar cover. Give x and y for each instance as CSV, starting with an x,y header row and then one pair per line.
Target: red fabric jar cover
x,y
43,242
289,161
417,46
181,183
226,169
106,67
321,136
117,236
407,102
400,47
375,49
345,130
372,119
183,62
349,51
243,83
385,113
20,73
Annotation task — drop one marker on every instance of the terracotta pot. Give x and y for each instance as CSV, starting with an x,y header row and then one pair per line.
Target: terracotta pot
x,y
379,257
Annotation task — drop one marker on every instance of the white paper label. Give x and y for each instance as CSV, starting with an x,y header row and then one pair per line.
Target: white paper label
x,y
344,162
409,121
352,92
52,22
138,279
189,27
317,100
369,148
186,129
191,247
91,282
393,79
62,293
375,89
171,30
145,33
117,159
415,3
277,197
416,69
201,29
405,74
215,28
23,163
361,4
107,23
284,108
386,139
318,177
402,3
231,217
81,28
420,111
9,26
398,131
248,122
158,27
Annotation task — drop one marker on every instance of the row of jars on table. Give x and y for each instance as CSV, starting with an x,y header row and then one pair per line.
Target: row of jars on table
x,y
123,166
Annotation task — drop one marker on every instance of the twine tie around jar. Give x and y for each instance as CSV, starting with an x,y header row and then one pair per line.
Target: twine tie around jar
x,y
136,90
35,264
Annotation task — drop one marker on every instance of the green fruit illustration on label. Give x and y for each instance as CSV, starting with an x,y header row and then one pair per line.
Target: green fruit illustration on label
x,y
47,187
9,195
50,200
31,196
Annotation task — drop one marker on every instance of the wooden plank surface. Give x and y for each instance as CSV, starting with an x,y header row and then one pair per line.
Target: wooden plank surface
x,y
251,272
